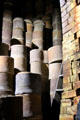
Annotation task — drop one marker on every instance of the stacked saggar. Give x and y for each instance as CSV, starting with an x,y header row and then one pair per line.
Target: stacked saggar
x,y
55,54
9,104
28,85
71,58
39,58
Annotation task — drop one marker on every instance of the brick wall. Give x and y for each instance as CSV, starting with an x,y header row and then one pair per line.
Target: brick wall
x,y
70,14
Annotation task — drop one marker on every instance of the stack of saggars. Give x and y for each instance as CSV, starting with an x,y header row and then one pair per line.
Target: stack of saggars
x,y
39,57
37,39
39,65
55,54
10,106
71,58
18,31
18,50
27,100
24,80
7,23
27,84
